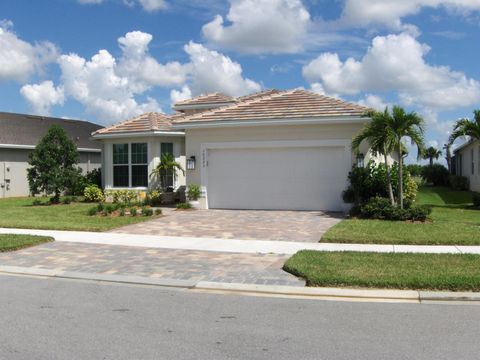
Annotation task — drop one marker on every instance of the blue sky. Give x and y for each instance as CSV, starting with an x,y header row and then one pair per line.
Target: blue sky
x,y
107,60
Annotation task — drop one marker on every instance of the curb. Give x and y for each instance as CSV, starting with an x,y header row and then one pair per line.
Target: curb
x,y
123,279
320,293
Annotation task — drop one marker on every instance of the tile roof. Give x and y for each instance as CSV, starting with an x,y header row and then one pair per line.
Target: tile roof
x,y
146,122
22,129
292,104
264,105
215,98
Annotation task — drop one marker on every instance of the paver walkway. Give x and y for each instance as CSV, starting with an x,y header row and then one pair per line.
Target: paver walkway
x,y
154,263
301,226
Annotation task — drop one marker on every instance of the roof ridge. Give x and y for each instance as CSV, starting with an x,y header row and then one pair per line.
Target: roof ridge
x,y
203,96
331,98
129,121
237,104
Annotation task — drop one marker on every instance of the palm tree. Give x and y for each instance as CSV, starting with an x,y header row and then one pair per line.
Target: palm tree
x,y
405,125
380,139
448,156
167,166
467,127
432,153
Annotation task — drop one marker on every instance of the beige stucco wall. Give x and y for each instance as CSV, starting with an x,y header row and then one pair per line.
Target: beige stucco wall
x,y
466,152
154,144
196,137
14,165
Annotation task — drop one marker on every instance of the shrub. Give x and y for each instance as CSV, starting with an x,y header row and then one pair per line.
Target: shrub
x,y
93,193
38,202
100,207
122,212
371,181
158,211
436,175
69,199
133,211
92,211
147,211
123,196
458,182
184,206
109,208
381,209
476,200
414,169
194,192
154,197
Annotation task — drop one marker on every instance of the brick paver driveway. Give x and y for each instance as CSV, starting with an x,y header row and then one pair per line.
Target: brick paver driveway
x,y
303,226
156,263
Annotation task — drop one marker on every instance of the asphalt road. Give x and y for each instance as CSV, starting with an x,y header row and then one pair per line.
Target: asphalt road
x,y
66,319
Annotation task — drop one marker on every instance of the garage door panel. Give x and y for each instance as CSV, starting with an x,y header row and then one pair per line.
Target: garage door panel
x,y
303,178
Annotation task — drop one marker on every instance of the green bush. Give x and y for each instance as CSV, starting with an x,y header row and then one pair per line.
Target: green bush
x,y
93,193
158,211
147,211
133,211
194,192
371,181
69,199
381,209
92,211
100,207
459,183
414,169
184,206
154,197
123,196
38,202
109,208
436,175
476,200
122,212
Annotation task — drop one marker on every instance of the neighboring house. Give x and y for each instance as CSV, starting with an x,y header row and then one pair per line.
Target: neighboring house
x,y
466,162
288,150
19,134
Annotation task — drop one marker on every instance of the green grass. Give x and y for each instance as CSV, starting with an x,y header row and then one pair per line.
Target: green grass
x,y
454,272
10,242
19,213
453,221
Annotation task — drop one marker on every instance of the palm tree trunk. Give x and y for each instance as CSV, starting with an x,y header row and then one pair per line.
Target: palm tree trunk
x,y
389,179
431,161
400,173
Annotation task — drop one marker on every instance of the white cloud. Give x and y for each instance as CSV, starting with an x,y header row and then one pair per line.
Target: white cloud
x,y
365,13
212,71
261,26
375,102
142,69
395,63
148,5
19,59
43,96
180,95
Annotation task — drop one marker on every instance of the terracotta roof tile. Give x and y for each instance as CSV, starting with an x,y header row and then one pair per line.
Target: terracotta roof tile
x,y
214,98
291,104
146,122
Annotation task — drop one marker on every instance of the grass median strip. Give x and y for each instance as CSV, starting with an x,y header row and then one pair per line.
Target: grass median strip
x,y
454,221
10,242
452,272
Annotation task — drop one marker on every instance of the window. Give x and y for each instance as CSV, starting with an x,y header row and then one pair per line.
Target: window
x,y
130,165
139,165
360,161
472,162
167,148
120,165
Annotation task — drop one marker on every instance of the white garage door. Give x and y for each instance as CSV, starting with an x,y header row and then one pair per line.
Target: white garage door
x,y
289,178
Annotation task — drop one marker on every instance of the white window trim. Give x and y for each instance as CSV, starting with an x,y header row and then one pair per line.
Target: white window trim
x,y
130,187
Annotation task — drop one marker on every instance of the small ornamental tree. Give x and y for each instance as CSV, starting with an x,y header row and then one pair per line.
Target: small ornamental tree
x,y
53,164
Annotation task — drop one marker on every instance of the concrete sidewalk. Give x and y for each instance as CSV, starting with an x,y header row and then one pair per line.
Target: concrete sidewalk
x,y
232,245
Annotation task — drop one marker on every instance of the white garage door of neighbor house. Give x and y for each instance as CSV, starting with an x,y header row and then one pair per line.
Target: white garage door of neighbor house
x,y
289,178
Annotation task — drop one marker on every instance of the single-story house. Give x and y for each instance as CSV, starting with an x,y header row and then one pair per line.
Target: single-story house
x,y
20,133
282,150
466,162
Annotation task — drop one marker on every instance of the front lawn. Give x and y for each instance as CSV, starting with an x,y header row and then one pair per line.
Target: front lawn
x,y
9,242
19,213
454,272
454,221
